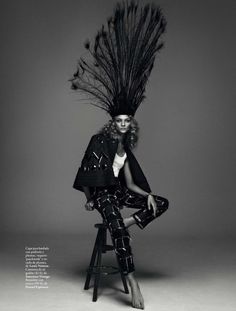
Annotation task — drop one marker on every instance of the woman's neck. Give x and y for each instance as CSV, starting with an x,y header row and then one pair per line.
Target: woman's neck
x,y
121,138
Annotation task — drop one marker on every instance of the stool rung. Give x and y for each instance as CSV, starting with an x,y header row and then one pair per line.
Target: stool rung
x,y
102,269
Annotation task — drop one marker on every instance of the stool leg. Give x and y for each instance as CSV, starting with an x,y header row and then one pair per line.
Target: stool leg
x,y
121,274
123,278
104,239
95,250
98,264
124,283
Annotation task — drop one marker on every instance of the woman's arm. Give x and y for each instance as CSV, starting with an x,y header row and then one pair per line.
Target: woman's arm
x,y
89,204
87,192
133,187
130,183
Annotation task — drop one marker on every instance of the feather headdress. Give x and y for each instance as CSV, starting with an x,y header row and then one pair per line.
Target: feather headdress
x,y
122,58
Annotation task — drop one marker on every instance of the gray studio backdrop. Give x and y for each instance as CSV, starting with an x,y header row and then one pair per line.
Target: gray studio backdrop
x,y
187,139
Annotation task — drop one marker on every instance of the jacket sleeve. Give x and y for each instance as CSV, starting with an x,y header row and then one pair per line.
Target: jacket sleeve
x,y
95,169
85,163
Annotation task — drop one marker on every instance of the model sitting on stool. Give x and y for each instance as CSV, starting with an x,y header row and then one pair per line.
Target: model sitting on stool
x,y
110,175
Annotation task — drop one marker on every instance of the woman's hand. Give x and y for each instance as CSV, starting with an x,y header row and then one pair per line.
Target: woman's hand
x,y
89,205
152,204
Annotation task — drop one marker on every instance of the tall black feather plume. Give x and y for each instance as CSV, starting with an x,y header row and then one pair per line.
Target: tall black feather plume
x,y
122,58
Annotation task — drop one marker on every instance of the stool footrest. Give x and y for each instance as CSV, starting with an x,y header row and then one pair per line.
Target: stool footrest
x,y
103,270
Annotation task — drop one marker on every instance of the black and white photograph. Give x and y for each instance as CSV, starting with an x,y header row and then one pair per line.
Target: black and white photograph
x,y
118,176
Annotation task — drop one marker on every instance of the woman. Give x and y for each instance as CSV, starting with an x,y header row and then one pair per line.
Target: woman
x,y
122,58
124,192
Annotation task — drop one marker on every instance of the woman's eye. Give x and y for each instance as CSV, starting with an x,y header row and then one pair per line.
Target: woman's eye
x,y
126,121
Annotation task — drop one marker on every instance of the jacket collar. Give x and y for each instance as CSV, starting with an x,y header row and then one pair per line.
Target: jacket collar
x,y
112,148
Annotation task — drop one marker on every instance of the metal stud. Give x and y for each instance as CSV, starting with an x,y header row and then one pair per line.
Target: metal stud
x,y
94,167
104,166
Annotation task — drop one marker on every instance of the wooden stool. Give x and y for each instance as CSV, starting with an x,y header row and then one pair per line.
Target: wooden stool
x,y
100,247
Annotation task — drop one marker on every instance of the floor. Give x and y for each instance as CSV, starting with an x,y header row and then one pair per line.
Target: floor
x,y
174,274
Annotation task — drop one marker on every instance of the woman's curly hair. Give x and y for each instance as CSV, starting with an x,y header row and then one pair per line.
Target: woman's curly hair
x,y
131,137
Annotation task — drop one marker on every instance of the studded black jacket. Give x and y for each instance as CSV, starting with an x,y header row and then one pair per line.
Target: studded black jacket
x,y
96,166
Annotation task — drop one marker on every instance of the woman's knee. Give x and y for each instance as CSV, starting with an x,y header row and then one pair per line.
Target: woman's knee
x,y
162,202
165,203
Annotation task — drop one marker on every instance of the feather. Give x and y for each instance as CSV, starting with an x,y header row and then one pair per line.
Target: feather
x,y
121,58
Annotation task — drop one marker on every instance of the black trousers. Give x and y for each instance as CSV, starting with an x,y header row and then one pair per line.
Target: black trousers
x,y
108,201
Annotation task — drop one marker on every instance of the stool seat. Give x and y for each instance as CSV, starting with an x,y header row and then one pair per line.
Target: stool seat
x,y
97,268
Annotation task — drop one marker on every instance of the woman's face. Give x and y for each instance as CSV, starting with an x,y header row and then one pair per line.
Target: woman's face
x,y
122,123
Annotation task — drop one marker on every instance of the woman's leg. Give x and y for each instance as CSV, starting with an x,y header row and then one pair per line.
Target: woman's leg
x,y
137,298
108,206
143,216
